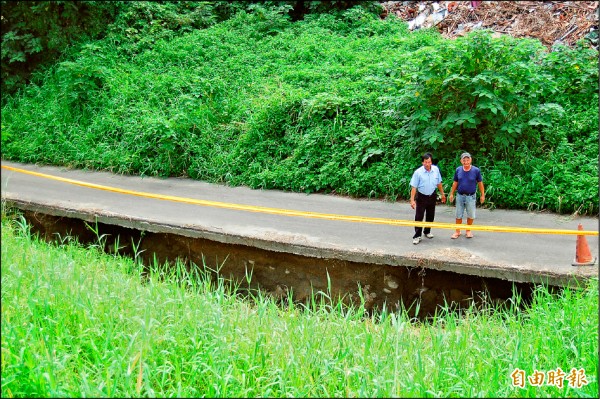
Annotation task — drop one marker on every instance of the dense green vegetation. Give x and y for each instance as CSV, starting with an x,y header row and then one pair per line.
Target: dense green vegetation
x,y
341,103
77,322
35,34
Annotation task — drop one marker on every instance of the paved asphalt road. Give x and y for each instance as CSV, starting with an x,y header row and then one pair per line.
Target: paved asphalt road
x,y
522,257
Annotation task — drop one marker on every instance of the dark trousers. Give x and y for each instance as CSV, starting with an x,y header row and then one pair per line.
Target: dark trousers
x,y
425,209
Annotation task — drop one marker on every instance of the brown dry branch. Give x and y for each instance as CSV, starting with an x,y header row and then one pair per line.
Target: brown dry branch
x,y
548,21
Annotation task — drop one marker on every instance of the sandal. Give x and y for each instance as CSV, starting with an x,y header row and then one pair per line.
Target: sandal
x,y
455,236
469,235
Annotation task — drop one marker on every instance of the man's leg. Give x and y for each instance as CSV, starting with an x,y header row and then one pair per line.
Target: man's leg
x,y
429,214
469,222
419,215
458,221
460,209
470,208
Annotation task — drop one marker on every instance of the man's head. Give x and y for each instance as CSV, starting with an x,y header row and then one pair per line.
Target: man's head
x,y
427,160
465,159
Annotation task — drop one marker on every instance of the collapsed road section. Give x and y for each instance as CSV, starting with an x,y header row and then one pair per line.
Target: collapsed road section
x,y
298,245
285,275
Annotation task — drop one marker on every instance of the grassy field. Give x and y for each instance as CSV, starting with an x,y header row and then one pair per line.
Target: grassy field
x,y
80,323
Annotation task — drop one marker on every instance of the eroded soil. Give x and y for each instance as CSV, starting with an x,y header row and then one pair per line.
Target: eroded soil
x,y
287,276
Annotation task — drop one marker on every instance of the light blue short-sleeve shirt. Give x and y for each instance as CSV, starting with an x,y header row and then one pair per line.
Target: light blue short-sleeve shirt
x,y
425,181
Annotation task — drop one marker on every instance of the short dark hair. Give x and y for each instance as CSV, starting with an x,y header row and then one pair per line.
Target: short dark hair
x,y
427,155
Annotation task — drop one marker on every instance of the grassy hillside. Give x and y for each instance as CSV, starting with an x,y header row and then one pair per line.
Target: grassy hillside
x,y
332,104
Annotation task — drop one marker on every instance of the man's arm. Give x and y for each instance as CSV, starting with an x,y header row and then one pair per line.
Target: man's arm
x,y
413,192
452,190
481,191
441,189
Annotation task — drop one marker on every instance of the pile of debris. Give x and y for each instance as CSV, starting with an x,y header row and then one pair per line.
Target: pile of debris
x,y
551,22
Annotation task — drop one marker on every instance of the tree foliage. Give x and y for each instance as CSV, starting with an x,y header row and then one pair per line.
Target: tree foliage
x,y
35,34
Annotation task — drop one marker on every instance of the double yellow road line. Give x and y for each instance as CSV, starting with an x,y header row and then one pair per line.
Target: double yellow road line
x,y
305,214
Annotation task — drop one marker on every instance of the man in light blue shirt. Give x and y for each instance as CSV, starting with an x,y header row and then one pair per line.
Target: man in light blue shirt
x,y
423,196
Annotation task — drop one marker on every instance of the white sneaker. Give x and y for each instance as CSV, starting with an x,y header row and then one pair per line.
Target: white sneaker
x,y
416,240
429,235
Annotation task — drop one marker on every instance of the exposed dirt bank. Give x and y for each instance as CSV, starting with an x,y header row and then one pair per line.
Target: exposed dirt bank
x,y
285,275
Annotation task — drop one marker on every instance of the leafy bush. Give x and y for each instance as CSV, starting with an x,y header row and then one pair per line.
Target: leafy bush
x,y
475,92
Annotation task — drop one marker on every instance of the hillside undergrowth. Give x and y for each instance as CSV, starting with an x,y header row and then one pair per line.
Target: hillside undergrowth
x,y
337,104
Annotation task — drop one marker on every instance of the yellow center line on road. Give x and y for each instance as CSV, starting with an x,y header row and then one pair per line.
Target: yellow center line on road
x,y
306,214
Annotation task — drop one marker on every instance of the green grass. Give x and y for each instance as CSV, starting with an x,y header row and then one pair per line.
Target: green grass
x,y
77,322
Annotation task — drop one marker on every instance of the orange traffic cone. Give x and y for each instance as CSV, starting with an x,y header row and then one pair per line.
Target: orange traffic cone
x,y
583,256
